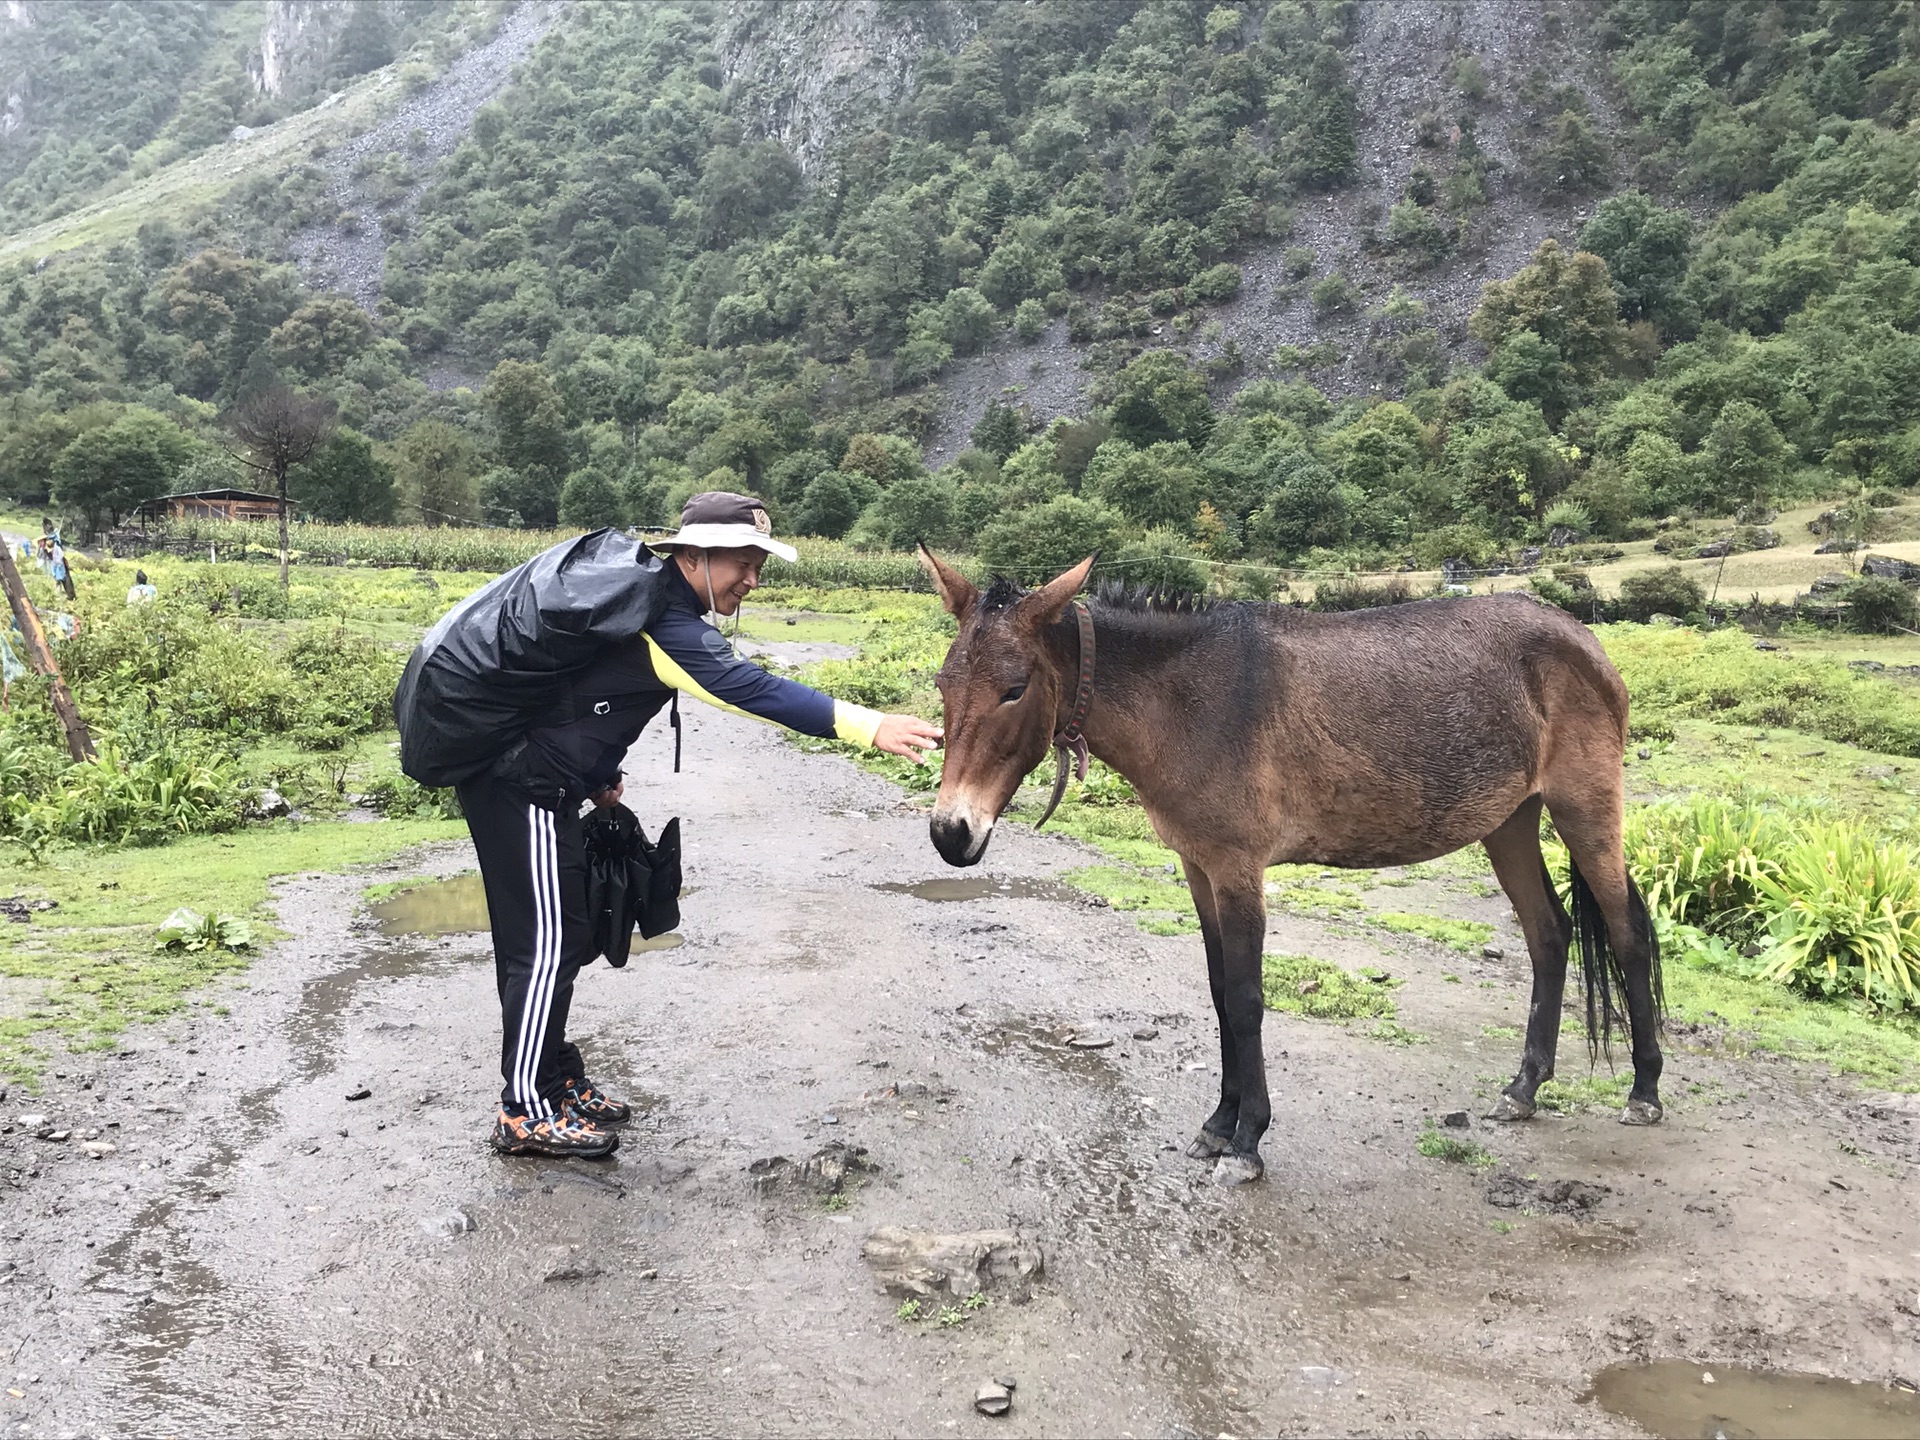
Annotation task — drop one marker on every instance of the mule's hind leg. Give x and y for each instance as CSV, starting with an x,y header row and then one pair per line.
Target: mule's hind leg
x,y
1217,1133
1514,850
1604,894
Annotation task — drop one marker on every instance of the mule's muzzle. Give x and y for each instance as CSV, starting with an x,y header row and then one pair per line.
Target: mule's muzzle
x,y
958,841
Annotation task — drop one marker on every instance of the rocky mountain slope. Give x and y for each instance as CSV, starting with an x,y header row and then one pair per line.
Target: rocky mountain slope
x,y
1403,62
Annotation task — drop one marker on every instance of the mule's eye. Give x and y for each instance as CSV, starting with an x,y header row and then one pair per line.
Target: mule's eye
x,y
1014,694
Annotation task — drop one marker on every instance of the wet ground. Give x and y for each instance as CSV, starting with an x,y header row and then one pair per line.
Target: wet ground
x,y
262,1252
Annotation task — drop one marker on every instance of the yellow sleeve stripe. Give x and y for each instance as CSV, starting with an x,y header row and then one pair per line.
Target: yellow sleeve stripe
x,y
672,674
855,722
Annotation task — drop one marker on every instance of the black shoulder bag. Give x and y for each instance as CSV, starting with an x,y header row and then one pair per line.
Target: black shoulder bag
x,y
632,883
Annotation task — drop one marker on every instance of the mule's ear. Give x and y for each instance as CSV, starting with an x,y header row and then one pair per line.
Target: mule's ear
x,y
1050,601
956,591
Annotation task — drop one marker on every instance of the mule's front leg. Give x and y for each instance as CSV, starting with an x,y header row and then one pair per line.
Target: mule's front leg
x,y
1242,913
1216,1135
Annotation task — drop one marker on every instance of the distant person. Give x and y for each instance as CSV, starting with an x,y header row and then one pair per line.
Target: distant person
x,y
58,568
141,592
523,795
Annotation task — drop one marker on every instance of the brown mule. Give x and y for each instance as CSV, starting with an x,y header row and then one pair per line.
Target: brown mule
x,y
1257,735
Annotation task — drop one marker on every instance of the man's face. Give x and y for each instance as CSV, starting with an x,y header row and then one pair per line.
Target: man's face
x,y
733,574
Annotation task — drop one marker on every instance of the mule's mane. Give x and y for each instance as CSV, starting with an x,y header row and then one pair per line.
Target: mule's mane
x,y
1152,600
1147,608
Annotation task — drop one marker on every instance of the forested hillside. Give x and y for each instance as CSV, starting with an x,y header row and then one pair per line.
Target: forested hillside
x,y
1228,260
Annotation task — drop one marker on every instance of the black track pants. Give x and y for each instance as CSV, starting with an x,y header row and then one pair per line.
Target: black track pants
x,y
535,871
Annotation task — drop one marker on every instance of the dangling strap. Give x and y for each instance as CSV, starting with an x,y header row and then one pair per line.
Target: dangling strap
x,y
673,718
1070,741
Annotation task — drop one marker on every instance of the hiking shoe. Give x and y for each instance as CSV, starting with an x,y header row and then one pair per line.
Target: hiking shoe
x,y
587,1101
561,1136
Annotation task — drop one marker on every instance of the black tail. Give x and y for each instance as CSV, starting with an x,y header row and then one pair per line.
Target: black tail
x,y
1600,966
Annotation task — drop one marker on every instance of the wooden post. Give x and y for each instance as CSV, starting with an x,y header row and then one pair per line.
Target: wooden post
x,y
40,656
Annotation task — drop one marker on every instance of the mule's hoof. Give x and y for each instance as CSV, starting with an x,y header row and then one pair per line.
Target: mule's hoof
x,y
1508,1108
1206,1145
1642,1112
1234,1168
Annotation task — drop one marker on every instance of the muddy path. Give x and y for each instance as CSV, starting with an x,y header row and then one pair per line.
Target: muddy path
x,y
261,1253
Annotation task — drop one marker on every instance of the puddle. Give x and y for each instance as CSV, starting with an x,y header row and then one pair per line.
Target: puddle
x,y
1671,1399
987,887
456,906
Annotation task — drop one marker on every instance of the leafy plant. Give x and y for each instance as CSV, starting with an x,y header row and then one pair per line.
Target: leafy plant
x,y
187,929
1844,916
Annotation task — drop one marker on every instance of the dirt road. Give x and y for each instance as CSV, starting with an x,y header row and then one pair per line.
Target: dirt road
x,y
255,1255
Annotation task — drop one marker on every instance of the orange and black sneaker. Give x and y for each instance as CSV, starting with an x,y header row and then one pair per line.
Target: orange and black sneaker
x,y
562,1136
587,1101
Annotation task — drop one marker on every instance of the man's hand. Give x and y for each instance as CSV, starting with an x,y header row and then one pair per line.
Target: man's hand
x,y
906,736
610,796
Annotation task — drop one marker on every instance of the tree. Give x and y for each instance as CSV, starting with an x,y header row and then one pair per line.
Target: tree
x,y
832,501
321,336
1158,486
530,437
108,470
1646,249
436,467
1000,432
279,428
1157,397
1567,300
1745,452
345,481
912,510
590,500
1039,543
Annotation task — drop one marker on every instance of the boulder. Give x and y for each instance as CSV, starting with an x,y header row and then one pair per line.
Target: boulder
x,y
1828,584
1836,547
1888,567
919,1264
1562,536
1455,571
1531,556
1714,550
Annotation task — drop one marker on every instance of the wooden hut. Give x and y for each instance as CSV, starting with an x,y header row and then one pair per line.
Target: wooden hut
x,y
215,505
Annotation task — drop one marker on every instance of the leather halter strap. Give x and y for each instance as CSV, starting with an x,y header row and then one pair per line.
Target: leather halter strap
x,y
1069,741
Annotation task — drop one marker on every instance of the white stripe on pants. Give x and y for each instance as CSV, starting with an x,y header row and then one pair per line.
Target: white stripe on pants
x,y
535,1009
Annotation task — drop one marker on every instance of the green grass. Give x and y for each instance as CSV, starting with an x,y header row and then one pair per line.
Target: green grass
x,y
1321,990
1466,936
1884,1051
86,970
1583,1093
1438,1145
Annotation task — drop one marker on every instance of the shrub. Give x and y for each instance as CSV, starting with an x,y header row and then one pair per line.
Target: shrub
x,y
1452,542
1567,515
1878,606
1161,559
1668,590
1215,284
1029,320
1357,594
1698,861
1335,294
1844,915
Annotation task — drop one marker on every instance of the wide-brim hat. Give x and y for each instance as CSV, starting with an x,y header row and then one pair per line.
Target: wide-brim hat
x,y
721,520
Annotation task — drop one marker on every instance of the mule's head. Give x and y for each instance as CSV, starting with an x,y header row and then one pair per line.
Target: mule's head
x,y
1005,689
